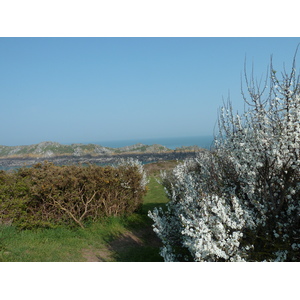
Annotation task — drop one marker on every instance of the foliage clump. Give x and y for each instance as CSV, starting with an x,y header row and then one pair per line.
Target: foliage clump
x,y
240,202
47,195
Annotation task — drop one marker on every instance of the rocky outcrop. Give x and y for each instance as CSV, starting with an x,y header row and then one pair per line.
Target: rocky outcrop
x,y
17,156
52,149
9,163
143,148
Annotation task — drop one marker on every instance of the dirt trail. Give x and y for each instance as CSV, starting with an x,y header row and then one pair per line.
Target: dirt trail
x,y
129,239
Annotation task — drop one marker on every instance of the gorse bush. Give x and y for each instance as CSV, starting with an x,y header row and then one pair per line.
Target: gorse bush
x,y
240,201
48,195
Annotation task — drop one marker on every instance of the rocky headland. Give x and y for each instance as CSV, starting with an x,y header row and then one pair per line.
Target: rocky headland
x,y
15,156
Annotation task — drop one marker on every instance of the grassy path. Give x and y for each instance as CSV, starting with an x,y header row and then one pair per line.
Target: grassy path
x,y
113,239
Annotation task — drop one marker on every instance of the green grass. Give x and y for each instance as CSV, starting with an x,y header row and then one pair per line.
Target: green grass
x,y
155,197
112,236
59,244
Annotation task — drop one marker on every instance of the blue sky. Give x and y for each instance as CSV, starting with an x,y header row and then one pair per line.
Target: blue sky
x,y
73,90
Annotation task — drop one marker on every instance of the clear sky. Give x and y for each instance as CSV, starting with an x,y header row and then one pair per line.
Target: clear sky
x,y
84,90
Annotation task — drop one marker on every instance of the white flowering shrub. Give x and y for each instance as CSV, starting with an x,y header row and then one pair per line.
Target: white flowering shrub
x,y
240,201
134,163
204,221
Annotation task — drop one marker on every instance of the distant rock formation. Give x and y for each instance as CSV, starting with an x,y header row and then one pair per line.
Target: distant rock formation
x,y
53,149
15,156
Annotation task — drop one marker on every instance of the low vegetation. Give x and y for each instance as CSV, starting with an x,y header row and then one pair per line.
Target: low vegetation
x,y
46,195
115,238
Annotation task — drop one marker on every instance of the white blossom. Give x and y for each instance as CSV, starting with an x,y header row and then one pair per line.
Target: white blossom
x,y
230,203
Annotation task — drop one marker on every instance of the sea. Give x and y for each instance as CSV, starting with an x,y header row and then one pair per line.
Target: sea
x,y
171,143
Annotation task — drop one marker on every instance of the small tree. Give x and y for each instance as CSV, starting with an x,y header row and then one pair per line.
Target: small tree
x,y
241,200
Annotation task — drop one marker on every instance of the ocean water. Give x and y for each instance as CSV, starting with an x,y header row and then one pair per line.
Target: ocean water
x,y
171,143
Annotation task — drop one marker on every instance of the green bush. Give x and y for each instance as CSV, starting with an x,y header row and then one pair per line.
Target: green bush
x,y
46,195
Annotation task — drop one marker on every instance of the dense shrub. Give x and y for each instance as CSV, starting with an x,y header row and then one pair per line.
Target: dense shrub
x,y
48,195
240,202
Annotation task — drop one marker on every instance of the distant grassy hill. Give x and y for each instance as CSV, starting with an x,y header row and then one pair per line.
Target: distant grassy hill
x,y
53,149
